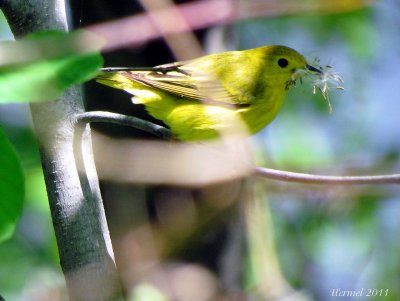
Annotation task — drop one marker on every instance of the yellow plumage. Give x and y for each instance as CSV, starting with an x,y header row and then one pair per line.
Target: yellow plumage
x,y
237,92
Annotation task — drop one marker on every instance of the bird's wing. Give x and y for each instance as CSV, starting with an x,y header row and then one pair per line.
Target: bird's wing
x,y
183,82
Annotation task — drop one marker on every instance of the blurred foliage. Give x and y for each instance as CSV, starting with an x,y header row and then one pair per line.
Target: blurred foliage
x,y
326,237
11,188
42,66
147,293
337,237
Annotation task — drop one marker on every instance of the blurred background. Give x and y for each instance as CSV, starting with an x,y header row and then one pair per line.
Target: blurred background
x,y
293,241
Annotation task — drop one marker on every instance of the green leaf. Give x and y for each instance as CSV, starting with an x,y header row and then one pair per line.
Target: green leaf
x,y
12,188
47,64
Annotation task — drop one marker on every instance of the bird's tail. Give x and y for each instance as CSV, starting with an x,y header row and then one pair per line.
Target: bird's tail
x,y
115,80
118,77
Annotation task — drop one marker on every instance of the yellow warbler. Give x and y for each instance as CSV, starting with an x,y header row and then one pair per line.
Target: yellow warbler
x,y
210,96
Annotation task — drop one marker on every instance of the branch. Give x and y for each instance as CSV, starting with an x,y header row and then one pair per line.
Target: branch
x,y
84,244
288,176
274,174
124,120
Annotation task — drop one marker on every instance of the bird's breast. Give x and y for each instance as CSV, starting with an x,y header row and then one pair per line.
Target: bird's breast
x,y
259,114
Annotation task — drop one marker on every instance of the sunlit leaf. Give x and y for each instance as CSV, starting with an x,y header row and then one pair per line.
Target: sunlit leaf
x,y
46,65
11,188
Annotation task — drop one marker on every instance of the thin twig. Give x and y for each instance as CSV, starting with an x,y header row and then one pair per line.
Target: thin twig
x,y
280,175
288,176
124,120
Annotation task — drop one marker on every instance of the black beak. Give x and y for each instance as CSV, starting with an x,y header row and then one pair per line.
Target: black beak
x,y
313,69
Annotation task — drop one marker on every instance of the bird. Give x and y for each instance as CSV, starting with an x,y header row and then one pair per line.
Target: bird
x,y
217,95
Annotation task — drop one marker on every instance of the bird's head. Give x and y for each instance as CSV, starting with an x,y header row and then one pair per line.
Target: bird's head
x,y
290,67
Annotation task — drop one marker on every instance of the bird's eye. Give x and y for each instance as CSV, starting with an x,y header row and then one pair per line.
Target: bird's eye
x,y
283,63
